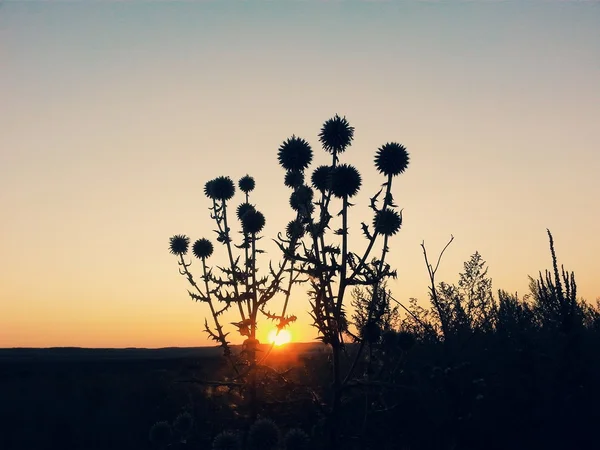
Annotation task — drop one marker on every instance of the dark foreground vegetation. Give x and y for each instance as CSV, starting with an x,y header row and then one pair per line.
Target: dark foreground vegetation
x,y
473,371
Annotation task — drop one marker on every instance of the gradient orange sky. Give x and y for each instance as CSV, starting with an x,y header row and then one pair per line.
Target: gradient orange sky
x,y
114,114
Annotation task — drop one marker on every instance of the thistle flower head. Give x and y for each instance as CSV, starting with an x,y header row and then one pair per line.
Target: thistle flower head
x,y
253,222
208,189
294,178
246,184
243,208
227,440
321,178
160,433
387,222
345,181
178,244
263,435
183,424
392,159
202,248
221,188
295,154
294,229
336,134
301,197
296,439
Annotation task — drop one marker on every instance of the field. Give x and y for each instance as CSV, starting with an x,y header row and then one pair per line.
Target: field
x,y
74,398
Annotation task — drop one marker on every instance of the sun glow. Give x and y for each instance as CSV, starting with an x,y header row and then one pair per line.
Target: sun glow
x,y
284,337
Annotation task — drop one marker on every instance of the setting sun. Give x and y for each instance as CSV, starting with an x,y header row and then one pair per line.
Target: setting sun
x,y
282,338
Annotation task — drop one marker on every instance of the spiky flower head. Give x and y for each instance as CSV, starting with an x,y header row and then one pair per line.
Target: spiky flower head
x,y
336,134
227,440
178,244
321,178
296,439
202,248
183,424
345,181
246,184
160,433
294,229
263,435
301,198
253,222
295,154
391,159
294,178
387,222
208,188
221,188
243,208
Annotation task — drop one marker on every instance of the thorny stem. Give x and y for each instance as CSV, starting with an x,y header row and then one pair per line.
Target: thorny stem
x,y
209,301
375,292
231,262
342,285
386,202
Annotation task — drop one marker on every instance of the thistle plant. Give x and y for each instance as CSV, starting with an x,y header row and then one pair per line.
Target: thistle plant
x,y
314,248
325,257
239,285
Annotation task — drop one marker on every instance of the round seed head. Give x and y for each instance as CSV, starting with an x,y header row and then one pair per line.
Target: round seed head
x,y
221,188
321,178
294,178
178,244
202,248
246,184
263,435
253,222
387,222
208,189
184,423
336,134
227,440
392,159
243,208
294,154
301,197
294,229
345,181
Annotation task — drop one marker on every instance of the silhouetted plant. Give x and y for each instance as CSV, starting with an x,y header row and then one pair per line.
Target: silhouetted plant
x,y
227,440
555,296
384,316
325,257
263,434
239,284
308,248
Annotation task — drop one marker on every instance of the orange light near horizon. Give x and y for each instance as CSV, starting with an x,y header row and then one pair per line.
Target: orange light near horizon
x,y
279,339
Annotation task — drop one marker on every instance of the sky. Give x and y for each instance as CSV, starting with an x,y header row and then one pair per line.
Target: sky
x,y
113,115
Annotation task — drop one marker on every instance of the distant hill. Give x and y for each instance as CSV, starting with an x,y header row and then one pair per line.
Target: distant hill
x,y
127,354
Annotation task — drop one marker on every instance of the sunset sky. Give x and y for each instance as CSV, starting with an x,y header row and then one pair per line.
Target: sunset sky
x,y
113,115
